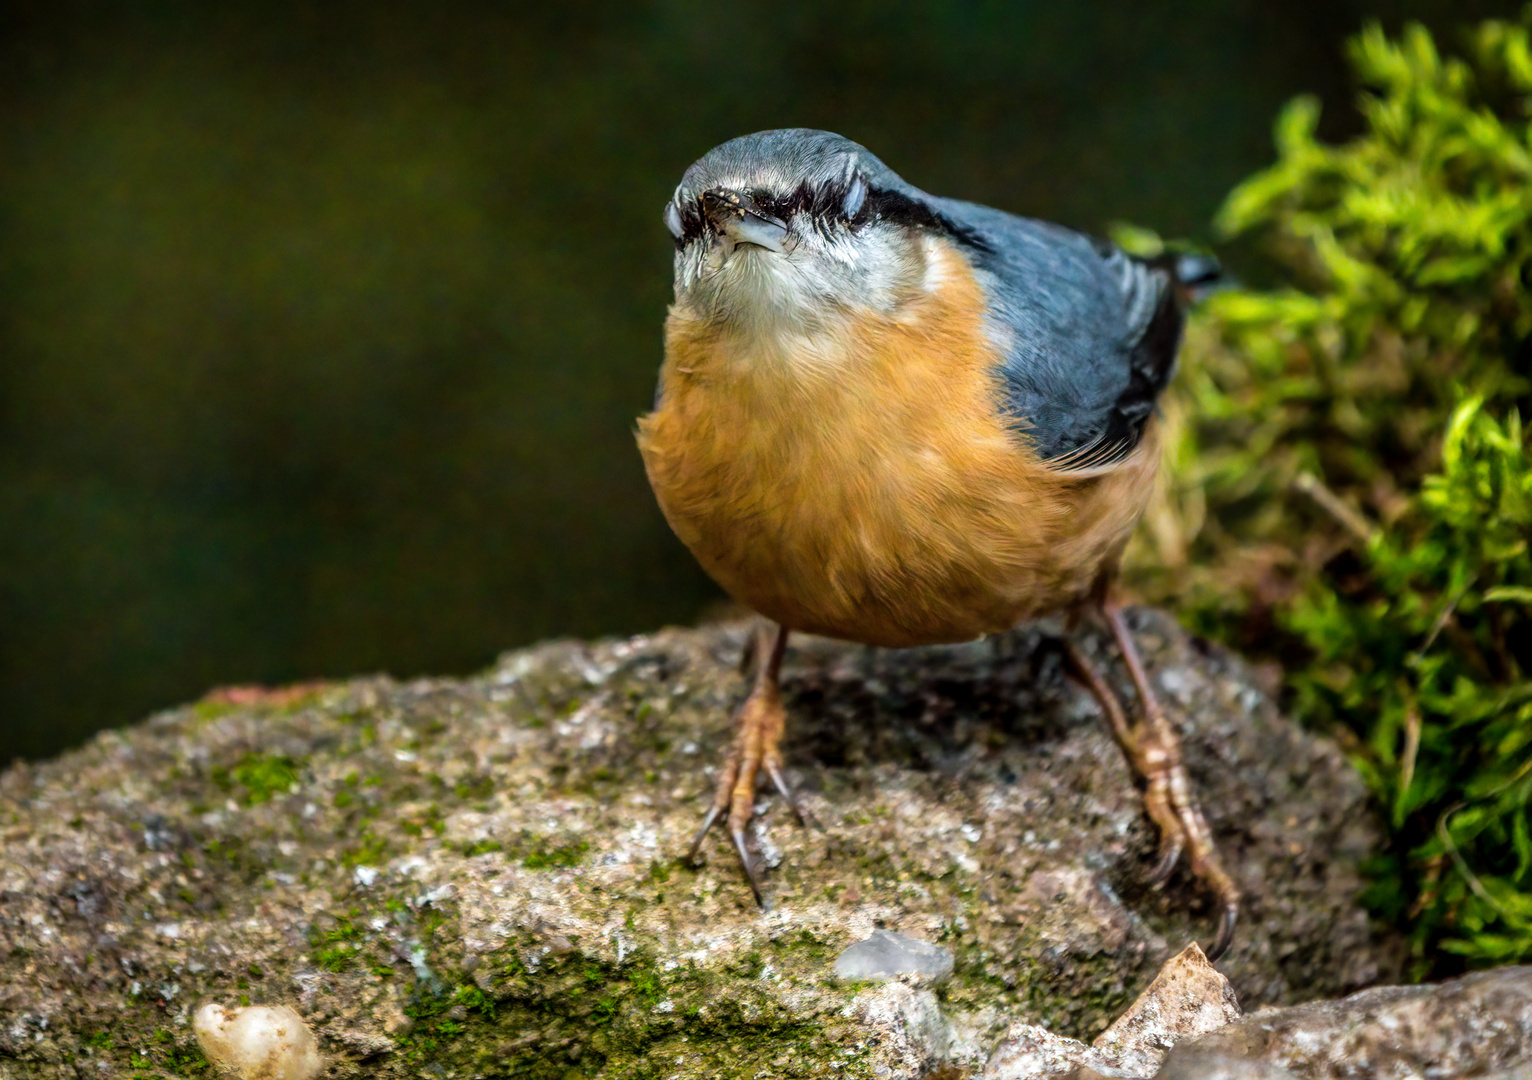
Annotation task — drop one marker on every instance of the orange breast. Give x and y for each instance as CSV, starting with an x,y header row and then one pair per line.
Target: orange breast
x,y
874,492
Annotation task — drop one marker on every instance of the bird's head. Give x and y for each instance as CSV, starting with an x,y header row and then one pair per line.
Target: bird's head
x,y
791,229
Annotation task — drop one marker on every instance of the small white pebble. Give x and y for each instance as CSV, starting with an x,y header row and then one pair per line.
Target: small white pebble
x,y
885,956
259,1042
365,876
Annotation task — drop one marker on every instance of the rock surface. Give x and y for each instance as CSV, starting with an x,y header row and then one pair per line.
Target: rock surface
x,y
1187,998
1187,1026
1479,1025
478,877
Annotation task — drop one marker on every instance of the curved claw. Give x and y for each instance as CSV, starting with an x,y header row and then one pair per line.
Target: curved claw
x,y
1170,854
778,781
708,822
738,836
1225,931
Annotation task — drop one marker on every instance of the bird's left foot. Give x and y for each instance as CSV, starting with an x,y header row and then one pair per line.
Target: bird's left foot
x,y
1153,750
758,730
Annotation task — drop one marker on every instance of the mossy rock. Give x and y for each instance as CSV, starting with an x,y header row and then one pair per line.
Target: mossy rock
x,y
479,877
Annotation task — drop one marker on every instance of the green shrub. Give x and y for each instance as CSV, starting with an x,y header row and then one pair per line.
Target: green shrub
x,y
1348,489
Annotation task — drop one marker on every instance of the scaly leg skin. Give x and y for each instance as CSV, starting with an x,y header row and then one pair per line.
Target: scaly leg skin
x,y
1153,750
757,733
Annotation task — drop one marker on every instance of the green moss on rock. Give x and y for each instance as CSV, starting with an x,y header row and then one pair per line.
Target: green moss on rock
x,y
476,906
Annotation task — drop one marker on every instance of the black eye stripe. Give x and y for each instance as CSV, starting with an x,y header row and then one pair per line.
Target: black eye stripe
x,y
901,209
821,200
692,225
824,203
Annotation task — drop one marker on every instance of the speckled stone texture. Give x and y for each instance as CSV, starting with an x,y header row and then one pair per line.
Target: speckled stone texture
x,y
1479,1025
1188,997
479,877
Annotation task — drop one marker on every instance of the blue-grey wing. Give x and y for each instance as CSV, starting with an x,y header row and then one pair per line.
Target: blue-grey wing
x,y
1088,334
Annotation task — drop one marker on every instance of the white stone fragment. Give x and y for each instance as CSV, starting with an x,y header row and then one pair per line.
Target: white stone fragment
x,y
885,956
1029,1052
258,1042
1189,997
917,1037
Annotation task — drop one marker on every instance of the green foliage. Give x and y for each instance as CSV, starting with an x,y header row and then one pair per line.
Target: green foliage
x,y
1424,652
1349,486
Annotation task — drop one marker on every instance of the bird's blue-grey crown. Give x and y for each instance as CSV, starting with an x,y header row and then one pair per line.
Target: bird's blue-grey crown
x,y
783,160
1085,335
780,174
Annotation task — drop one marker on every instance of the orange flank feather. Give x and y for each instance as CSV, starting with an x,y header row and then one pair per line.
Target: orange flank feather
x,y
867,485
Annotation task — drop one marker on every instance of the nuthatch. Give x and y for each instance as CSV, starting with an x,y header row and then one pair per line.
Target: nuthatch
x,y
900,419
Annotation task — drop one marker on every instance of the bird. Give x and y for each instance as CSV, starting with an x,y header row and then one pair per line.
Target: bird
x,y
900,419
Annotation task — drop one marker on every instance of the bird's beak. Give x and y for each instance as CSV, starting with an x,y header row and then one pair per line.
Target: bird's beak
x,y
741,221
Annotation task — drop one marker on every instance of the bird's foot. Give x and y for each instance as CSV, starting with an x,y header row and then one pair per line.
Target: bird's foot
x,y
758,728
1153,750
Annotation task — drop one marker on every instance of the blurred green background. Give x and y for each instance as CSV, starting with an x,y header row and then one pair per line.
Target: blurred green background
x,y
324,326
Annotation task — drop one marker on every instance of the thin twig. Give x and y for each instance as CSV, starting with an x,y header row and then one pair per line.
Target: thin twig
x,y
1411,747
1335,506
1457,856
1445,614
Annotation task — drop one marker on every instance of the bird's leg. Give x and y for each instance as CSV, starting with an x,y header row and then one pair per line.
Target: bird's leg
x,y
1153,750
757,733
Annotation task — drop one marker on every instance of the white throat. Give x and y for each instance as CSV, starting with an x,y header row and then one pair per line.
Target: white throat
x,y
798,307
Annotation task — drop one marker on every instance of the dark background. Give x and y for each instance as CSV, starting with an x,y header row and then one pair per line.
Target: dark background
x,y
324,327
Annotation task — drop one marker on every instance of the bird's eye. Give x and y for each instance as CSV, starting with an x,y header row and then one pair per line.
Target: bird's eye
x,y
673,220
856,195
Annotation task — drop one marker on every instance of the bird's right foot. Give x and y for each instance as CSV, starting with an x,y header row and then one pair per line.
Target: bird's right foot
x,y
758,728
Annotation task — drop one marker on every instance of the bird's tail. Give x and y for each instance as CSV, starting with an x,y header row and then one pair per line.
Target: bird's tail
x,y
1196,274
